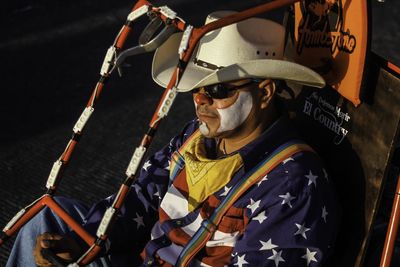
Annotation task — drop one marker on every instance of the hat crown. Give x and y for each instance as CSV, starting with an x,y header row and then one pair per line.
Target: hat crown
x,y
251,39
252,48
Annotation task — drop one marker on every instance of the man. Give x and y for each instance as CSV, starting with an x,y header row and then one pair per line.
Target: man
x,y
285,217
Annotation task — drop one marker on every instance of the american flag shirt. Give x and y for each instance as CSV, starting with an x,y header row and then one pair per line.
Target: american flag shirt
x,y
289,218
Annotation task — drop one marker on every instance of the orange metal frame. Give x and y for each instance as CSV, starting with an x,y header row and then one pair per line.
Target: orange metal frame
x,y
393,226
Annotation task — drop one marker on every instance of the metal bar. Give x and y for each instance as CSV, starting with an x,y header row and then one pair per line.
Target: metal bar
x,y
200,32
48,201
251,12
54,206
393,67
95,94
90,256
33,209
393,227
121,196
68,153
126,30
154,121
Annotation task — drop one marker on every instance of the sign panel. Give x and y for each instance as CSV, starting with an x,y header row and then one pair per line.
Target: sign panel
x,y
331,37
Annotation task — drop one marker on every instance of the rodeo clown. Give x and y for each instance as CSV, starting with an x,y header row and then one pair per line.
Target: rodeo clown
x,y
227,176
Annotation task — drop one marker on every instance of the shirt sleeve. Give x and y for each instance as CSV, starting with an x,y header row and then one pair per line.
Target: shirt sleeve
x,y
139,211
293,217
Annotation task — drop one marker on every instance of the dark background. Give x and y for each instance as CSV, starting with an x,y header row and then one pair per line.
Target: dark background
x,y
51,53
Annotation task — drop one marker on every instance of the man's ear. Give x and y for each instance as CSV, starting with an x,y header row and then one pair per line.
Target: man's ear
x,y
268,90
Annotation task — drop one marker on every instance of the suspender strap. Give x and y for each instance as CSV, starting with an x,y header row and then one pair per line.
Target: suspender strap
x,y
209,226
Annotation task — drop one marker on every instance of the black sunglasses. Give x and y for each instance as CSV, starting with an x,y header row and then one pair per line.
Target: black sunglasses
x,y
220,90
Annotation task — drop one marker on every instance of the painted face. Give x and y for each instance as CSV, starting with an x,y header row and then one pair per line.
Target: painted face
x,y
218,116
234,115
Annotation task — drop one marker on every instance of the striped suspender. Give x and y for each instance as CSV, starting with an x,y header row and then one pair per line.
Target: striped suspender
x,y
209,226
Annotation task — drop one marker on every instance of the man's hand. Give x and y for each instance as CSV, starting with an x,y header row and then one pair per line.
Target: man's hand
x,y
63,247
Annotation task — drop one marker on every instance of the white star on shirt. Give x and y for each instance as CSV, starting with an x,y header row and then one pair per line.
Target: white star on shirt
x,y
309,256
226,191
260,217
287,198
324,213
265,178
146,165
301,230
241,260
325,174
157,194
267,245
139,221
276,257
287,160
168,166
254,205
312,179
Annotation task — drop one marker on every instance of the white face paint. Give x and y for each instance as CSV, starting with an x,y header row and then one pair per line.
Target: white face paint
x,y
204,129
234,115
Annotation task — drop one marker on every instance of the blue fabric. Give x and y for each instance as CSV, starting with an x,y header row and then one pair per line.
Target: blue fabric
x,y
301,227
292,216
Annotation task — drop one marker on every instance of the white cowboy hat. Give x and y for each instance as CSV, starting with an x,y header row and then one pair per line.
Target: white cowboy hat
x,y
252,48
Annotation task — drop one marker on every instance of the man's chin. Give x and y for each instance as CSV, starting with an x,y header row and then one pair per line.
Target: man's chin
x,y
211,132
204,129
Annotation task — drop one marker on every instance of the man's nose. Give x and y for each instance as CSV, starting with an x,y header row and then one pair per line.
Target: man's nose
x,y
202,98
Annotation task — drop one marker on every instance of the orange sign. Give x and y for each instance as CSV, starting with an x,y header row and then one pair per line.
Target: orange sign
x,y
331,37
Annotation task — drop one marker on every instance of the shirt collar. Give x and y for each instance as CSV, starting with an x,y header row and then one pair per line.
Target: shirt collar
x,y
276,134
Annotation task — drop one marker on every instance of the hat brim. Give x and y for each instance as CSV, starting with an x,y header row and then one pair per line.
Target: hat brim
x,y
166,59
